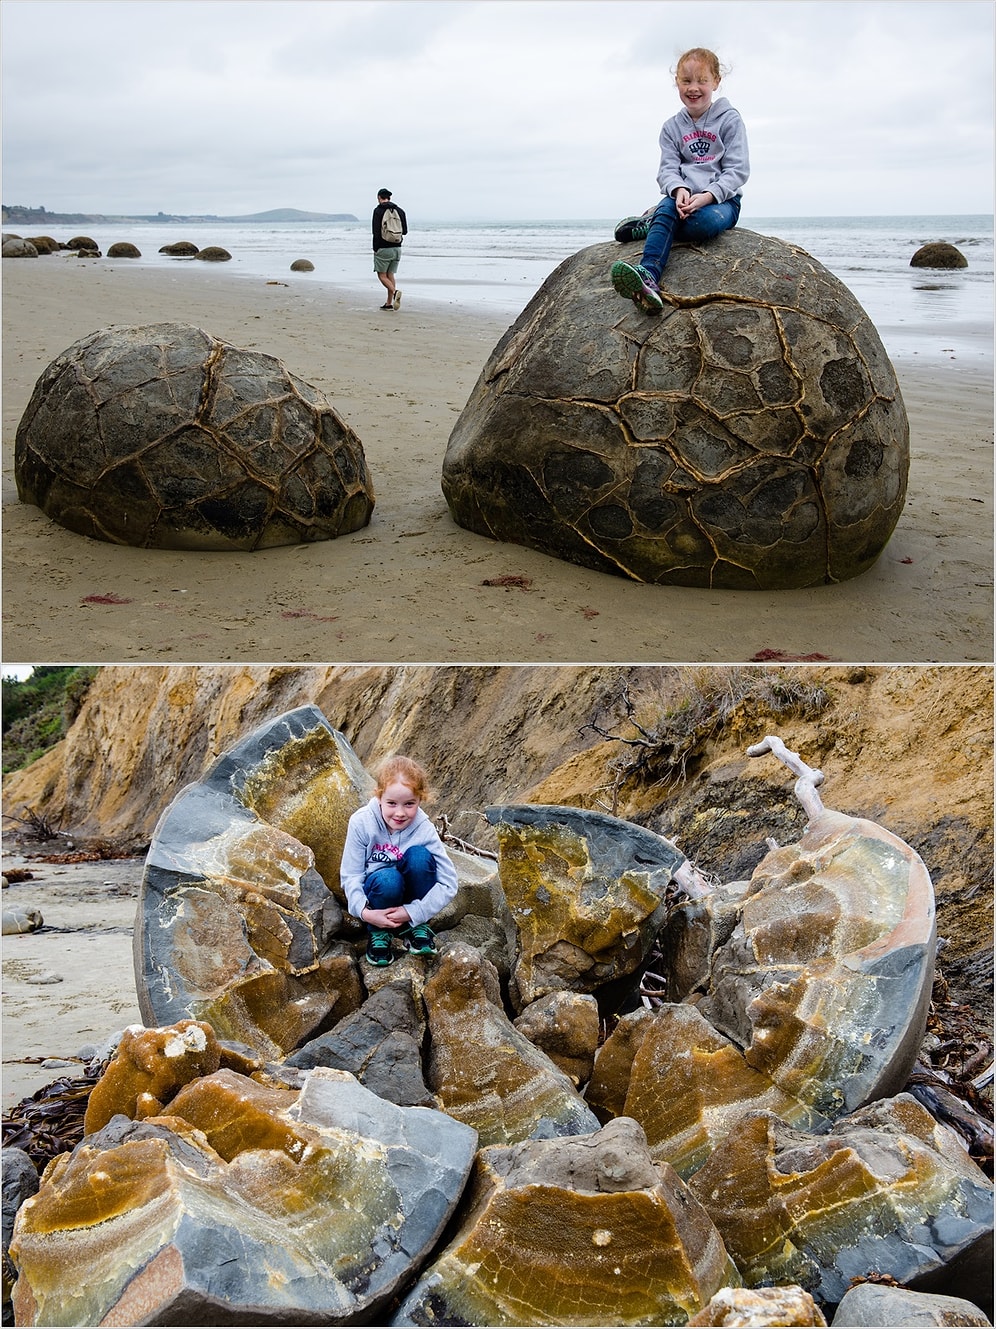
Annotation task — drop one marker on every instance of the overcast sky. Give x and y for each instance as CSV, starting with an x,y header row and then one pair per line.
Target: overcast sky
x,y
497,109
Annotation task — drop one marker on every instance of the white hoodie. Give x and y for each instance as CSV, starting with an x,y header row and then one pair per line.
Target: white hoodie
x,y
709,153
370,845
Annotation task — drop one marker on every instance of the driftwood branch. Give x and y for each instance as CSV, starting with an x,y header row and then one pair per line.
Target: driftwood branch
x,y
809,777
447,836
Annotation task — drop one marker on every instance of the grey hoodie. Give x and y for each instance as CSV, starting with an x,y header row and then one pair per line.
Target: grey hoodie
x,y
370,845
705,154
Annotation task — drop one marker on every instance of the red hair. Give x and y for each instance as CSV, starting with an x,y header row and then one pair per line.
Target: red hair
x,y
701,55
403,770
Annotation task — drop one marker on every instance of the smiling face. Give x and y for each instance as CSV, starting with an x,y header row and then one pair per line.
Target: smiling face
x,y
696,85
398,806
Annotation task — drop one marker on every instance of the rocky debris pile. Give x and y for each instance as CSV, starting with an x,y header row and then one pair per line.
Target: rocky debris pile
x,y
165,437
505,1133
753,436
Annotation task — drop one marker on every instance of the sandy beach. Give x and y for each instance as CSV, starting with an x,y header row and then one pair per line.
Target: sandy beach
x,y
70,985
412,585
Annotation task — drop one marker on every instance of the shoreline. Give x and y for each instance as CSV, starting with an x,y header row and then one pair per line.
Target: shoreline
x,y
411,586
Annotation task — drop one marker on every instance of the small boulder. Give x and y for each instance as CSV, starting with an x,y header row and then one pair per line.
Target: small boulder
x,y
213,254
123,249
878,1304
564,1025
45,244
302,265
938,254
740,1307
82,242
148,1069
21,918
181,249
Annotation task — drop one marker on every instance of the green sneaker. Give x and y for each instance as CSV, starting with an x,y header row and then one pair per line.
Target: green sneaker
x,y
379,947
633,228
420,939
635,283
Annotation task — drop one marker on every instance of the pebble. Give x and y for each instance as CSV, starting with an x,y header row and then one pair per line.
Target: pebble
x,y
45,978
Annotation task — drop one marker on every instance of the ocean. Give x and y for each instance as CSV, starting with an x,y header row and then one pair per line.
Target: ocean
x,y
496,267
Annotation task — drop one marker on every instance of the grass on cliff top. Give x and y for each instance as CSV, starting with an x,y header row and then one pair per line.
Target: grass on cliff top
x,y
38,710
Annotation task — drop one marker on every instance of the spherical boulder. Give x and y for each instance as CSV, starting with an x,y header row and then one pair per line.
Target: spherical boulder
x,y
752,436
213,254
18,248
45,244
124,249
181,249
82,242
166,437
938,254
302,265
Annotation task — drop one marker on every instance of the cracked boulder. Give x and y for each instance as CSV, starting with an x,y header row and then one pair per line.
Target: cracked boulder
x,y
165,437
587,893
247,1204
575,1231
237,925
753,436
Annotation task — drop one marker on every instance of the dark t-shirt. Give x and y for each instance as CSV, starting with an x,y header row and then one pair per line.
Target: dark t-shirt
x,y
378,241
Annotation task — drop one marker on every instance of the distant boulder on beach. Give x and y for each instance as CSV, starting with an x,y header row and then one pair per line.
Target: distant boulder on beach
x,y
213,254
302,265
938,254
181,249
124,249
15,247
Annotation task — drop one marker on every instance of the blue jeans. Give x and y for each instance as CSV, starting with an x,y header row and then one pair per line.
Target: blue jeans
x,y
412,879
667,227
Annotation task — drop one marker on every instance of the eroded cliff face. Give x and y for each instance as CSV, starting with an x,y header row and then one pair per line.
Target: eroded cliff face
x,y
910,747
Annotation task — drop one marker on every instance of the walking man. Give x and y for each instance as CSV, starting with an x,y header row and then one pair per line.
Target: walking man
x,y
390,226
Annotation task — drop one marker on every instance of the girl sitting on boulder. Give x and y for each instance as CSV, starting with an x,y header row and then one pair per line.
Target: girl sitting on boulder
x,y
704,165
395,871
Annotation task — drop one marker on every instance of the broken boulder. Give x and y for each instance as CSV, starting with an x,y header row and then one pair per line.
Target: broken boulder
x,y
577,1231
888,1191
246,1204
235,925
587,892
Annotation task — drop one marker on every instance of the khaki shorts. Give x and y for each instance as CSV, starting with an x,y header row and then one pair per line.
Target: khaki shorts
x,y
387,260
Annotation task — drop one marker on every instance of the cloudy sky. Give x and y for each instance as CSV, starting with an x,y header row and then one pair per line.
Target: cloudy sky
x,y
486,109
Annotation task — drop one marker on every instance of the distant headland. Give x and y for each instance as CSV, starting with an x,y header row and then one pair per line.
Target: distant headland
x,y
21,216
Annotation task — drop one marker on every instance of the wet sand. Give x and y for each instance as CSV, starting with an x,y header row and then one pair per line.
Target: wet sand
x,y
71,984
412,585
